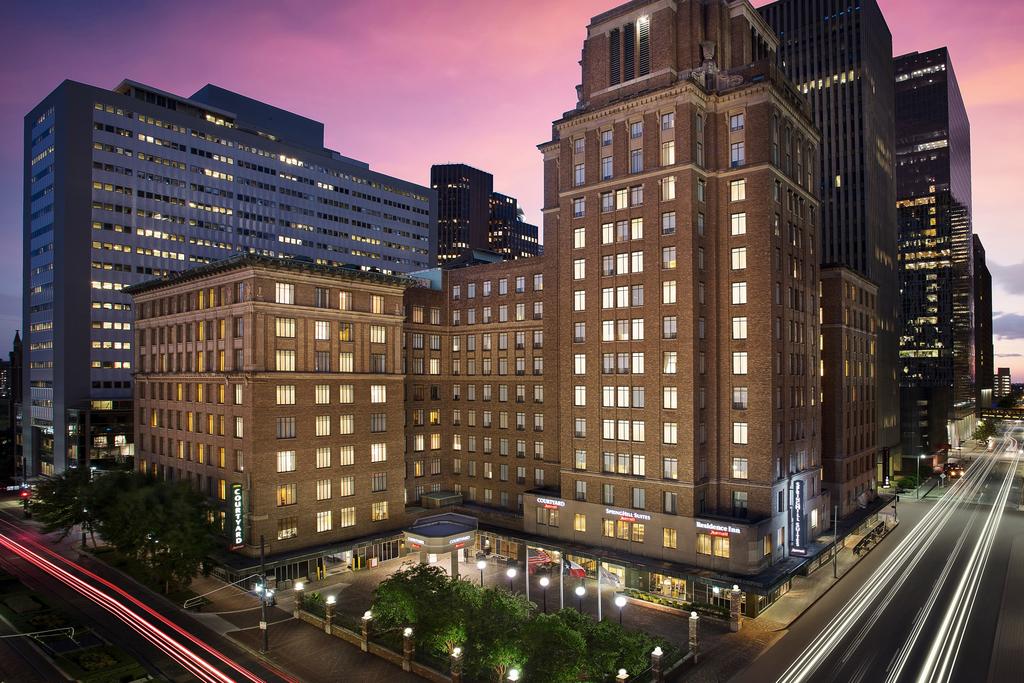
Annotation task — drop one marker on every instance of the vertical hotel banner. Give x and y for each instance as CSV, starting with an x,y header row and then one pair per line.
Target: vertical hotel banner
x,y
797,528
236,521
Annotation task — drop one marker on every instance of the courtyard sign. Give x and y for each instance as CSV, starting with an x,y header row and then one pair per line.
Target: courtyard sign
x,y
237,517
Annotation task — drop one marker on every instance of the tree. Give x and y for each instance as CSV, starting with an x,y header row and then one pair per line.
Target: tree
x,y
553,651
985,430
180,539
67,501
407,598
494,645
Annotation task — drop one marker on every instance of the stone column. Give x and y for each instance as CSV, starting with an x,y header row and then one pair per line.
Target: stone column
x,y
734,609
408,649
455,564
656,674
423,557
299,594
329,615
457,665
694,642
622,676
364,641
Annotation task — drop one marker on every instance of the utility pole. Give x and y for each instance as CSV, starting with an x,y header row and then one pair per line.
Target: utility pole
x,y
263,598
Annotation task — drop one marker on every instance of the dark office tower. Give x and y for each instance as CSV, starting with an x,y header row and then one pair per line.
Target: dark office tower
x,y
933,174
475,223
984,356
133,183
840,56
508,234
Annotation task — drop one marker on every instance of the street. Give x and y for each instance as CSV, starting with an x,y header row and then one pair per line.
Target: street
x,y
167,642
932,603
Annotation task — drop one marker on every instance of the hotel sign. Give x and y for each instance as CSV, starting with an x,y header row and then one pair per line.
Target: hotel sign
x,y
460,541
798,532
551,503
628,515
716,529
237,523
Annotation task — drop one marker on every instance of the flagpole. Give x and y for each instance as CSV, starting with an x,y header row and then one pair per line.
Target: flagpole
x,y
527,545
561,591
599,589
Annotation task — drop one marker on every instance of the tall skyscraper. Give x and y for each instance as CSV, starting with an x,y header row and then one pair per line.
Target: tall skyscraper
x,y
840,56
933,172
126,184
984,354
680,221
473,219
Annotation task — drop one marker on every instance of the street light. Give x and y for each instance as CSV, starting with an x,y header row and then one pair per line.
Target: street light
x,y
511,574
544,583
481,565
620,602
580,592
920,458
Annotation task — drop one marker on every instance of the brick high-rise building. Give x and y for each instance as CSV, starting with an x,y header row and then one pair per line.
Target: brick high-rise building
x,y
840,56
681,225
277,386
849,362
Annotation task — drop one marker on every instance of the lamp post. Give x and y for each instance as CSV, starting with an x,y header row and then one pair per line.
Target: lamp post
x,y
481,565
580,592
511,574
329,613
620,602
456,665
299,589
919,475
544,583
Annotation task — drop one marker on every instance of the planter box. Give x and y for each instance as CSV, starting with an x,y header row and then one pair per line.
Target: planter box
x,y
677,611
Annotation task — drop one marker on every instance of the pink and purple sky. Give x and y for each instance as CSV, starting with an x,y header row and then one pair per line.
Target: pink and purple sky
x,y
403,84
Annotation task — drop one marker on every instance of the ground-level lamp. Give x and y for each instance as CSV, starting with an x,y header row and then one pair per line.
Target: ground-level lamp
x,y
481,565
513,675
580,592
620,602
511,574
622,676
544,583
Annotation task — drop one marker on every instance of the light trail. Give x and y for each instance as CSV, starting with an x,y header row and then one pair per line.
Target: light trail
x,y
249,675
889,577
191,662
945,649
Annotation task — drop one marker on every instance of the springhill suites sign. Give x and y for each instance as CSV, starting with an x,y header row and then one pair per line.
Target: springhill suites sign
x,y
797,530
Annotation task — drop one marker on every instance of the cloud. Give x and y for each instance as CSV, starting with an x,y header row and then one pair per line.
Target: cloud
x,y
1008,326
1008,278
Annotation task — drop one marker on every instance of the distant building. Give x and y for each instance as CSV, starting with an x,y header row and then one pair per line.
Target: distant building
x,y
133,183
472,217
933,171
984,354
849,329
1003,384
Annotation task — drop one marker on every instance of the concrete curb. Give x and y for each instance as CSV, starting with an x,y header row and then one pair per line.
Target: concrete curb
x,y
832,585
274,665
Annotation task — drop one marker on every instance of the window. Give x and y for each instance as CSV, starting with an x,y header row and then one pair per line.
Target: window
x,y
283,327
287,527
345,361
376,304
378,334
345,301
669,538
668,153
346,423
606,138
579,269
322,361
739,433
578,145
739,504
606,168
636,161
668,121
378,393
284,293
379,511
286,461
639,498
636,130
285,494
739,327
286,395
322,394
721,546
668,188
578,175
670,433
739,362
739,258
739,223
378,482
323,457
737,190
703,544
323,425
579,522
670,398
669,329
669,362
739,292
739,398
579,206
345,332
323,489
286,427
668,292
670,468
579,238
739,468
736,121
737,156
323,521
346,455
346,393
379,452
347,517
668,223
668,257
322,330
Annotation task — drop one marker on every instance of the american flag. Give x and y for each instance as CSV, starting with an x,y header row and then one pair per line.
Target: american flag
x,y
538,558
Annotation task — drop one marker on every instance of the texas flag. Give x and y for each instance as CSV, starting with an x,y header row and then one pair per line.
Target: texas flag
x,y
573,569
